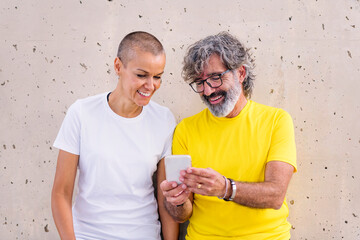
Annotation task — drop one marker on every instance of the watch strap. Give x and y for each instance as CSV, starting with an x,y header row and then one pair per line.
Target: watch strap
x,y
233,186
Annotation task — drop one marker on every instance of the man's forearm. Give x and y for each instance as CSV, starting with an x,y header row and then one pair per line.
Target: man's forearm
x,y
267,194
179,213
259,195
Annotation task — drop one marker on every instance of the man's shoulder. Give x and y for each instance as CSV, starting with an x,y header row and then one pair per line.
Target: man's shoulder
x,y
259,109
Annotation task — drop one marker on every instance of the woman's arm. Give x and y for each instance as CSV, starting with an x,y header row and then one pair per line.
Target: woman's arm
x,y
170,228
62,192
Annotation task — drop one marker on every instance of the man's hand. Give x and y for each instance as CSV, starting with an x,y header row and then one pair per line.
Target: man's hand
x,y
204,181
174,194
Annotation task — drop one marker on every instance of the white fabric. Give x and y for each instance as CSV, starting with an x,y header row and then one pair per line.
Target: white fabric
x,y
118,157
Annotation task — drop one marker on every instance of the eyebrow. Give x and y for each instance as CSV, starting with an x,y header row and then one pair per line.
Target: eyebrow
x,y
209,75
148,72
142,70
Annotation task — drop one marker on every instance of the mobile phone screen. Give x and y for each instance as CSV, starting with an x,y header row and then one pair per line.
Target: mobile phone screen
x,y
174,164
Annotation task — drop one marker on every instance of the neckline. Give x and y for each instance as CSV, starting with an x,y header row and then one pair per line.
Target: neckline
x,y
242,112
107,96
116,116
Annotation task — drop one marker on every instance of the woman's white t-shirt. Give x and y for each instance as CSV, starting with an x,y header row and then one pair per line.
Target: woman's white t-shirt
x,y
118,157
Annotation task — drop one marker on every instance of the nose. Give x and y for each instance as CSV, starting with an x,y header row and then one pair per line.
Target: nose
x,y
207,89
149,84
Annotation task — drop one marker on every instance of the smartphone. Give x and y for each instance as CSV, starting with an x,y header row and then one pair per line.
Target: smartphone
x,y
174,164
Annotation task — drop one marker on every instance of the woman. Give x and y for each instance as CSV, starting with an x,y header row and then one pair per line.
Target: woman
x,y
115,140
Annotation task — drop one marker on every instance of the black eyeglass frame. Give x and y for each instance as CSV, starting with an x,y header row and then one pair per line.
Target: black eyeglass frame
x,y
205,80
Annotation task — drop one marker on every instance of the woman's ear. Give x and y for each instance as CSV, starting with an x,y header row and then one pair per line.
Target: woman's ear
x,y
118,65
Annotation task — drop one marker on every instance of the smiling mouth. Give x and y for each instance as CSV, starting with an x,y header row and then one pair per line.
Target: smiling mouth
x,y
143,93
215,98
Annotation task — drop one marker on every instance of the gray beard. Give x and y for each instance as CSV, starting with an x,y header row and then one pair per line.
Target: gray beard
x,y
228,104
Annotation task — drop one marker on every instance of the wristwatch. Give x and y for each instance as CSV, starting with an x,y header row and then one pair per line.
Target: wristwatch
x,y
233,193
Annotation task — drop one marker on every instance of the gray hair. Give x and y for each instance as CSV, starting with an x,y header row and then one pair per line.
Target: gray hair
x,y
141,41
231,51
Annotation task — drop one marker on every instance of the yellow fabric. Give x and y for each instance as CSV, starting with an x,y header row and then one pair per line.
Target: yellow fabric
x,y
238,148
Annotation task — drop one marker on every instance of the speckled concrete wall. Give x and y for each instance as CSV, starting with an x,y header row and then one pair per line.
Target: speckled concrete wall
x,y
307,55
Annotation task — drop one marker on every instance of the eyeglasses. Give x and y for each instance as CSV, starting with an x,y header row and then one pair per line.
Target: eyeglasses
x,y
213,81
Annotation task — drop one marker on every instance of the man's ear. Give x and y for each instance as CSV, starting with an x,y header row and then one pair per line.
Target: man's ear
x,y
118,65
241,71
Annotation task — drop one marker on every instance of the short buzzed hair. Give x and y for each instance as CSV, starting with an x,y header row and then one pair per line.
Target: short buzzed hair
x,y
138,41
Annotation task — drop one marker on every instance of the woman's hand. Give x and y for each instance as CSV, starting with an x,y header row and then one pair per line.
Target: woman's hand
x,y
175,194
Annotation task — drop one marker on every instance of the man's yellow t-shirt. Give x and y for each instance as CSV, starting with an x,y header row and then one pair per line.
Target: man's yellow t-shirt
x,y
238,148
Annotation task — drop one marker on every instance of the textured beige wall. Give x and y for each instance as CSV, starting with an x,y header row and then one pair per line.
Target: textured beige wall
x,y
307,55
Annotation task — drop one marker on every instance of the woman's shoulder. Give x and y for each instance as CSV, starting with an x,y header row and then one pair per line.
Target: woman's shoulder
x,y
159,111
90,103
92,99
155,107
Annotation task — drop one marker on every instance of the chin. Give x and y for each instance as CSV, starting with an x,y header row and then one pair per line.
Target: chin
x,y
221,109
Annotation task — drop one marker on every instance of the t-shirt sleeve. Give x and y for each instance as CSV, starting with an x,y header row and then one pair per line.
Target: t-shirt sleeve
x,y
179,145
282,146
171,125
68,138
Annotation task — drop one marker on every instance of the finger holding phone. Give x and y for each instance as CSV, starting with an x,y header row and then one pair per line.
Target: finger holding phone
x,y
175,194
173,189
205,181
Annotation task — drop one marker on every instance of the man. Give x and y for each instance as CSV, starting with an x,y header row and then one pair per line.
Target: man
x,y
243,153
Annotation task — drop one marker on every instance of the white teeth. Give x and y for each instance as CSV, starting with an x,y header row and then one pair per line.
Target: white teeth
x,y
144,94
214,99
